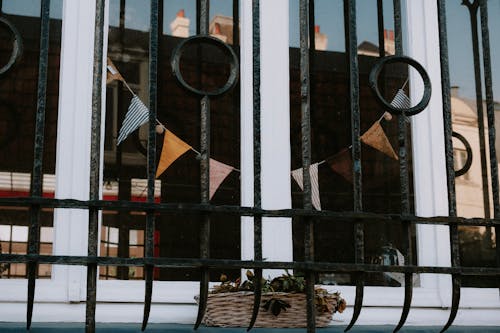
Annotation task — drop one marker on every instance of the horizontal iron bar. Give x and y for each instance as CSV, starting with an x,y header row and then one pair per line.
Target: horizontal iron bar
x,y
184,208
236,264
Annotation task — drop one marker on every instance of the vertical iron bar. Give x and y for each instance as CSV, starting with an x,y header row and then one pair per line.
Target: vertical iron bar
x,y
204,186
381,30
236,25
306,46
37,174
351,40
450,171
150,217
204,16
404,177
257,202
95,163
490,109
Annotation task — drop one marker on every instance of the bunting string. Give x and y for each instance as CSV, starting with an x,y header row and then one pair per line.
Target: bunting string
x,y
174,147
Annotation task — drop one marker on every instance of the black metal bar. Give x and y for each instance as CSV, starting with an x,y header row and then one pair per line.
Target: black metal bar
x,y
381,30
450,172
236,25
190,208
150,217
490,109
352,59
95,164
317,266
37,173
257,186
307,45
403,176
204,17
204,188
473,13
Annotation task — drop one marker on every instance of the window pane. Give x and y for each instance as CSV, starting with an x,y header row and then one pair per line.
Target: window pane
x,y
18,106
204,67
473,188
331,140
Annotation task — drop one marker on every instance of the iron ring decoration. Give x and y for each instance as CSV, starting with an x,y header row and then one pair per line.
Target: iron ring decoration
x,y
179,51
373,79
468,149
17,46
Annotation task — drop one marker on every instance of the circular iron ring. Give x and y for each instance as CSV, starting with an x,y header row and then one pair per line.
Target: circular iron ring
x,y
373,80
17,45
468,149
179,51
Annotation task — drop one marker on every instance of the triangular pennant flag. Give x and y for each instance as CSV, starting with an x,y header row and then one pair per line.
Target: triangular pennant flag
x,y
313,172
218,172
172,149
112,73
401,100
298,176
341,163
137,115
376,138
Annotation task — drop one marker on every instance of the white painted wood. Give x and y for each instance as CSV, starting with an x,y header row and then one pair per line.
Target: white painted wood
x,y
73,140
433,246
186,314
275,128
246,127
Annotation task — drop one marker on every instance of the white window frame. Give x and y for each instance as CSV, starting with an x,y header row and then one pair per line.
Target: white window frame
x,y
173,301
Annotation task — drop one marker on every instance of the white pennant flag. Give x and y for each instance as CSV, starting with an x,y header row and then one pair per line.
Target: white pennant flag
x,y
137,115
313,173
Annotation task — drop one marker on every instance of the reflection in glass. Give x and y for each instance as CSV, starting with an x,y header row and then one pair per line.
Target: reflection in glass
x,y
18,105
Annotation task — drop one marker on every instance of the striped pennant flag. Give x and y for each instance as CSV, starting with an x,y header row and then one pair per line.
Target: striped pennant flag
x,y
137,115
401,100
313,172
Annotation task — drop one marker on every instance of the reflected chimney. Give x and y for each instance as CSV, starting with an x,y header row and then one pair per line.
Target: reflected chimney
x,y
320,39
180,25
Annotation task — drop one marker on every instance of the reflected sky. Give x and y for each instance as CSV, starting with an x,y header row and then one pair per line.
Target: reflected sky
x,y
329,16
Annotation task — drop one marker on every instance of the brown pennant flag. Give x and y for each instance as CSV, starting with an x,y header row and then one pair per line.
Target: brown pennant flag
x,y
112,73
218,172
341,163
172,149
376,138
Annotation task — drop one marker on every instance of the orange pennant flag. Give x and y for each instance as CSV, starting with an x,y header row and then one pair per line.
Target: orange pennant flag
x,y
172,149
112,73
218,172
341,163
375,137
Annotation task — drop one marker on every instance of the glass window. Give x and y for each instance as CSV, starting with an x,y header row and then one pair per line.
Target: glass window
x,y
468,103
178,115
18,105
331,141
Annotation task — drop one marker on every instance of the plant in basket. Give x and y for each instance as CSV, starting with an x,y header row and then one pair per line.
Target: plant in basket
x,y
283,303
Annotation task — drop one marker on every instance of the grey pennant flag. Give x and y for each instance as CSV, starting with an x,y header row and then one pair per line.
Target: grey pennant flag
x,y
137,115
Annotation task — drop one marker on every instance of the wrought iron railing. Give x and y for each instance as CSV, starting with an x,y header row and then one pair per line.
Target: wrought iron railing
x,y
406,220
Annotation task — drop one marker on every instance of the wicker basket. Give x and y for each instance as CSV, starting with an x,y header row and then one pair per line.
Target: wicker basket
x,y
234,309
